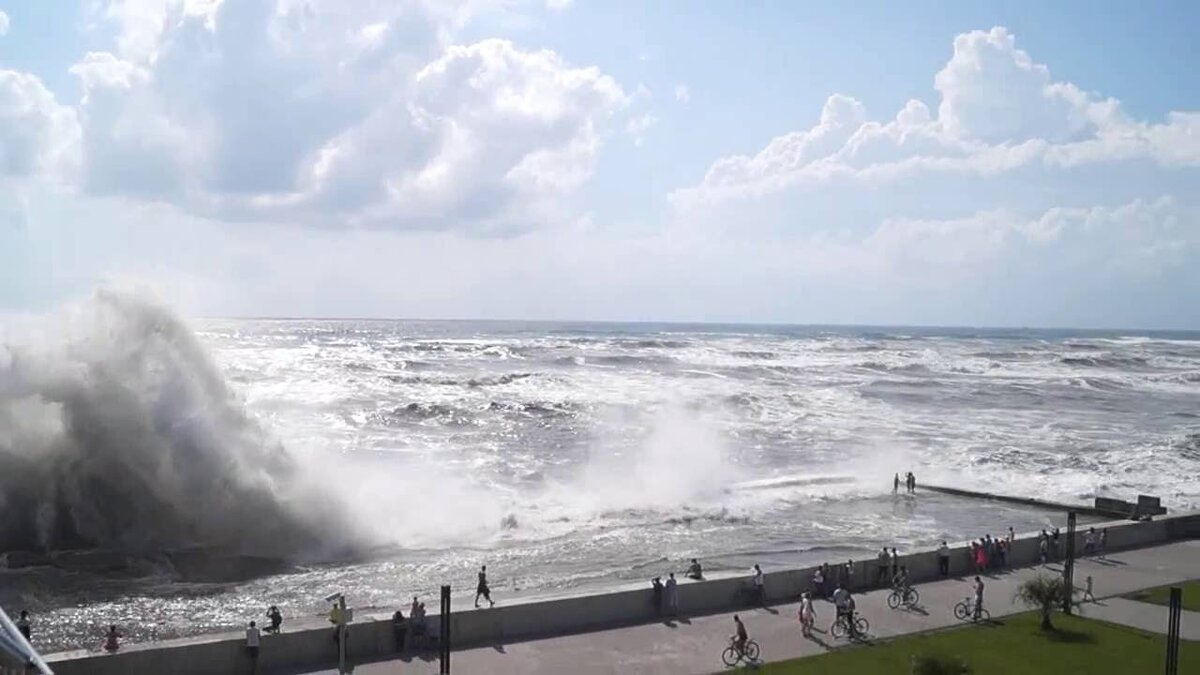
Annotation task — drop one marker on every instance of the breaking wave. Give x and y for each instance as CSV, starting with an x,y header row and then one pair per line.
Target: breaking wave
x,y
117,431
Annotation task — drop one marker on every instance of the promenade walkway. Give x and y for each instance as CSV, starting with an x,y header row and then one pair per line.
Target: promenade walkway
x,y
694,645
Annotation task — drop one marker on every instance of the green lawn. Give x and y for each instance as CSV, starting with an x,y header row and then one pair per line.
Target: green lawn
x,y
1015,646
1162,594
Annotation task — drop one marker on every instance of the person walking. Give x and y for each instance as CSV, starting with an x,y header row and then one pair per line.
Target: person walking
x,y
807,616
672,595
252,638
1102,544
1087,591
1089,542
482,590
881,573
944,559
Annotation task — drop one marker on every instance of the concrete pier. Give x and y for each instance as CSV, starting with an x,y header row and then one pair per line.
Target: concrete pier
x,y
371,639
1082,509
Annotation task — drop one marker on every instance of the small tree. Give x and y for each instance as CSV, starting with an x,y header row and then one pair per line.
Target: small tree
x,y
938,664
1044,593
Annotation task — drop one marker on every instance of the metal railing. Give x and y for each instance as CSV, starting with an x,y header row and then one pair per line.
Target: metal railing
x,y
17,656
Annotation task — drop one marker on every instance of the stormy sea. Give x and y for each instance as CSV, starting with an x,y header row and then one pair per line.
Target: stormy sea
x,y
177,476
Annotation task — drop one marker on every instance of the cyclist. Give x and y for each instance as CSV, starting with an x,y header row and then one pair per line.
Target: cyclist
x,y
841,597
741,637
851,629
900,583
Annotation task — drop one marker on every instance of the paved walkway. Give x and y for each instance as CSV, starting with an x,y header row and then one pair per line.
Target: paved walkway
x,y
694,646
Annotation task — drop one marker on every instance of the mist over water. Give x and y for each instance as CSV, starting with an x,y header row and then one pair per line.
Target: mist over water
x,y
384,458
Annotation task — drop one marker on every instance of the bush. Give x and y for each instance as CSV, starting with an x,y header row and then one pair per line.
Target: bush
x,y
938,664
1045,594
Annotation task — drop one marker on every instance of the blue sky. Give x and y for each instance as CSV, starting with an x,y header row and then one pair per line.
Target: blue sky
x,y
931,163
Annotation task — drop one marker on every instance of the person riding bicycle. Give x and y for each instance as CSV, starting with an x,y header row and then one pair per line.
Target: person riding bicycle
x,y
900,583
841,598
740,638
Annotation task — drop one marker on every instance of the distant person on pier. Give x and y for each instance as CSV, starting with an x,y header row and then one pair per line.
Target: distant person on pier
x,y
482,589
112,640
656,593
276,618
672,594
896,484
252,640
24,625
760,588
694,571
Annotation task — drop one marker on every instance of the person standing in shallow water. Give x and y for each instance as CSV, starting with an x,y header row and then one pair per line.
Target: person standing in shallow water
x,y
482,589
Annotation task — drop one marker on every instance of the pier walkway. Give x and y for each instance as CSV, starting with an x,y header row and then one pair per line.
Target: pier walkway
x,y
694,645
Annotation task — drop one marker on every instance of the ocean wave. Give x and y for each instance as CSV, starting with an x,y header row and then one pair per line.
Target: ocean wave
x,y
1104,361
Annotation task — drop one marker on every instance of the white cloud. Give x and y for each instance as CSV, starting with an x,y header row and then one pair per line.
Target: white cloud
x,y
337,113
682,94
38,137
4,23
558,5
998,111
638,126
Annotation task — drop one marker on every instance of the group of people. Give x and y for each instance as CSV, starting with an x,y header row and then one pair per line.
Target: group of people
x,y
910,483
666,594
989,553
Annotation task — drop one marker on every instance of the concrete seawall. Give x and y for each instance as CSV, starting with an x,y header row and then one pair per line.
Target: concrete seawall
x,y
371,637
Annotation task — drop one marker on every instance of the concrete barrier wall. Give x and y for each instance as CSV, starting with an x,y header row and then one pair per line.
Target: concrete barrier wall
x,y
372,638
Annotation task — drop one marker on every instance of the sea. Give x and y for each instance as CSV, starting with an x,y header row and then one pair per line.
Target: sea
x,y
385,458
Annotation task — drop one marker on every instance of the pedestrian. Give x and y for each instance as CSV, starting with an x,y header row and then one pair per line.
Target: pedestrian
x,y
760,589
1012,536
416,617
848,575
896,484
895,561
1089,542
112,640
1056,548
881,574
24,626
1087,591
807,616
672,595
252,637
1102,545
276,619
482,590
912,482
827,574
978,596
399,630
944,559
1043,548
1002,553
818,582
694,571
656,589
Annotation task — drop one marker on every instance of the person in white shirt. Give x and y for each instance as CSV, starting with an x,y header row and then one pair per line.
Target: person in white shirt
x,y
807,616
760,590
944,559
252,637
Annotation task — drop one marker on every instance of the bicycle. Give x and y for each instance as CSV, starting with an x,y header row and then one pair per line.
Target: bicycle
x,y
908,597
732,655
965,609
841,628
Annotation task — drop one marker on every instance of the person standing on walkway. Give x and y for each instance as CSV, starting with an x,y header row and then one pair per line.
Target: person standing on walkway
x,y
252,637
896,484
895,562
399,630
24,627
672,594
881,574
482,590
978,596
760,586
1102,546
1012,536
1056,548
1043,547
807,616
818,582
656,589
944,559
1089,542
848,575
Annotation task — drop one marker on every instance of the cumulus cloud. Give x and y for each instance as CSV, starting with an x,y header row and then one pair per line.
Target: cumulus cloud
x,y
337,113
4,23
682,94
38,136
998,111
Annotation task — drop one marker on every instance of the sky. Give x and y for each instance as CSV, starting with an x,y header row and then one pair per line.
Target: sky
x,y
1027,164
